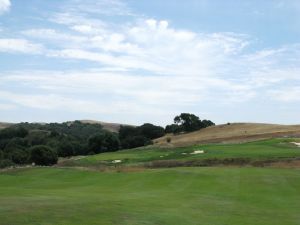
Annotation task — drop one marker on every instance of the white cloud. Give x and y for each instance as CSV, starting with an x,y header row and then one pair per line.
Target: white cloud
x,y
19,46
83,28
4,106
148,45
291,94
102,7
145,64
4,6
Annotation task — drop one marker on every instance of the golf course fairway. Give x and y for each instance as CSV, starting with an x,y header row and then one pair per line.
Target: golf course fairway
x,y
176,196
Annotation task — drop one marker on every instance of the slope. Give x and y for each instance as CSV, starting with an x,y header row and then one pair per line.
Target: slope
x,y
229,133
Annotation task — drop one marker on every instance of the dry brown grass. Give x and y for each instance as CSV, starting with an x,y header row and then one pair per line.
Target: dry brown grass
x,y
113,127
232,133
5,125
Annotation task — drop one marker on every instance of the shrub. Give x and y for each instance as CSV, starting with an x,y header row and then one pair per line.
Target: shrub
x,y
43,155
65,149
135,141
19,156
151,131
169,139
6,163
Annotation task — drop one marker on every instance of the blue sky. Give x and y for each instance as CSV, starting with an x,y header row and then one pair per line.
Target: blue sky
x,y
147,61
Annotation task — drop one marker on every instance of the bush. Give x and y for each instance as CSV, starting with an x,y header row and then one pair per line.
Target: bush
x,y
65,149
43,155
12,132
6,163
151,131
173,128
20,156
135,141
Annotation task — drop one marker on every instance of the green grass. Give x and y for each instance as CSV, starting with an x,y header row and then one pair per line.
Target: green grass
x,y
258,150
178,196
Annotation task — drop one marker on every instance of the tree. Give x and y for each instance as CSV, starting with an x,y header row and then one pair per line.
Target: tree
x,y
20,156
189,122
186,122
127,131
135,141
173,128
151,131
43,155
103,142
12,132
207,123
65,149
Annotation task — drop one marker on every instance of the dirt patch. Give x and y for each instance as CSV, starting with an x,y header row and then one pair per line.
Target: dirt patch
x,y
293,163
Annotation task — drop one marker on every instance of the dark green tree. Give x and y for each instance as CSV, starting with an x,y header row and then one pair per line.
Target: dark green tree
x,y
43,155
104,141
188,122
65,149
151,131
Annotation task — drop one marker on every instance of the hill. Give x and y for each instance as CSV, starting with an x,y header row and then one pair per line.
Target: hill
x,y
230,133
113,127
5,125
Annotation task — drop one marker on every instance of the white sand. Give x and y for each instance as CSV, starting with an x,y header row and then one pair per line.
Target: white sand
x,y
296,143
116,161
197,152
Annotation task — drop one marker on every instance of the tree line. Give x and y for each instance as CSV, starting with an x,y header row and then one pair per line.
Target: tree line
x,y
42,144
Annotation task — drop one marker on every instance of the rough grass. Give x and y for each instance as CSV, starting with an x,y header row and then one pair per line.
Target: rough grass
x,y
231,133
273,149
178,196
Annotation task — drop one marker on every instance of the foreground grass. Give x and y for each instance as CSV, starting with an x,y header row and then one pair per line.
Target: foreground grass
x,y
178,196
259,150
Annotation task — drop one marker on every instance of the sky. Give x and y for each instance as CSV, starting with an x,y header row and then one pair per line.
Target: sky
x,y
147,61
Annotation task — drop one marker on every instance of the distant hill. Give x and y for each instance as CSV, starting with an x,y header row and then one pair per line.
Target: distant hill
x,y
5,125
230,133
113,127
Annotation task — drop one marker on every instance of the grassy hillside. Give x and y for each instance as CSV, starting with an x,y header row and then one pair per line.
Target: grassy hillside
x,y
273,149
113,127
232,133
193,196
5,125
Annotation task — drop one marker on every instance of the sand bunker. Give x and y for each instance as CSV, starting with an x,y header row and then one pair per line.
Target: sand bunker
x,y
116,161
296,143
197,152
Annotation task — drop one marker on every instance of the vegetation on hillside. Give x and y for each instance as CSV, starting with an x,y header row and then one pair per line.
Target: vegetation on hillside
x,y
186,122
17,143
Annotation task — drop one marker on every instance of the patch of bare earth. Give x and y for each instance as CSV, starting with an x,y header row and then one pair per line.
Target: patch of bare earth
x,y
293,163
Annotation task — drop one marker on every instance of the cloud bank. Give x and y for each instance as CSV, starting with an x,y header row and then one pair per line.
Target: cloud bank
x,y
4,6
145,67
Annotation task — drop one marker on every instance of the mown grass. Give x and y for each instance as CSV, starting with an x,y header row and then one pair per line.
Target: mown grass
x,y
259,150
177,196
